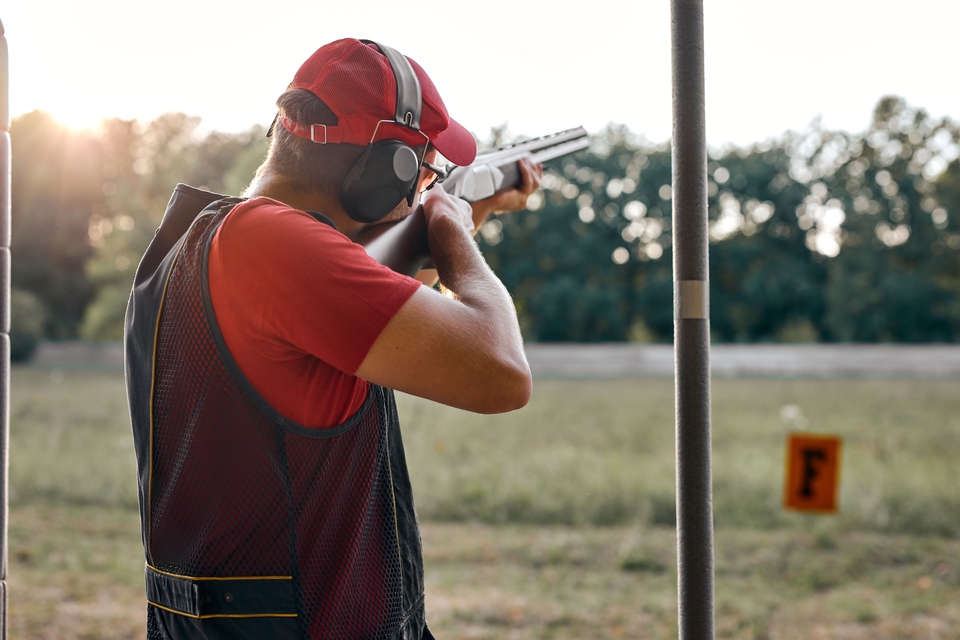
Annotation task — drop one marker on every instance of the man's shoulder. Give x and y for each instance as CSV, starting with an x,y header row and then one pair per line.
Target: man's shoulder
x,y
262,234
268,220
262,210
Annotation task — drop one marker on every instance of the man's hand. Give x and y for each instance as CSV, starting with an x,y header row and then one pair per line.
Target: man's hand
x,y
513,200
440,207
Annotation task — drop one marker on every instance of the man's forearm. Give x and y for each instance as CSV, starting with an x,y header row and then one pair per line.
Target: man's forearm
x,y
464,272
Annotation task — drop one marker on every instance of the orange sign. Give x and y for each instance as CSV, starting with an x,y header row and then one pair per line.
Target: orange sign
x,y
813,473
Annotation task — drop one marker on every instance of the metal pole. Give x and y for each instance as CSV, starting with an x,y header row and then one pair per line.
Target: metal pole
x,y
4,321
691,326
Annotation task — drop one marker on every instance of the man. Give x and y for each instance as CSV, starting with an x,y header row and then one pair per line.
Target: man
x,y
262,345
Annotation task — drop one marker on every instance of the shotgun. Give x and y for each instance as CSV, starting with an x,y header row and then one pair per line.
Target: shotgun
x,y
402,245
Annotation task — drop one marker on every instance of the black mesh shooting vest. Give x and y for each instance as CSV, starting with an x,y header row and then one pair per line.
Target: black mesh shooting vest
x,y
254,526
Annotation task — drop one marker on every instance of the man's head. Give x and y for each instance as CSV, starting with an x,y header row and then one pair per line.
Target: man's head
x,y
344,98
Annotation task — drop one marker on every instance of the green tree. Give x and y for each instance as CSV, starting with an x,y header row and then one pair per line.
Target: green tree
x,y
28,319
57,183
817,235
764,281
894,279
574,261
147,162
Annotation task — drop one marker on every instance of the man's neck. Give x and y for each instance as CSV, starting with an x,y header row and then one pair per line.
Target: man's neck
x,y
277,188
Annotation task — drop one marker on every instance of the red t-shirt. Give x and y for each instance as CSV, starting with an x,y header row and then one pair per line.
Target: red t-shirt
x,y
299,306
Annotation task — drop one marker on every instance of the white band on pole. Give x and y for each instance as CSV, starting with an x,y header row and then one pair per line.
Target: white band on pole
x,y
691,300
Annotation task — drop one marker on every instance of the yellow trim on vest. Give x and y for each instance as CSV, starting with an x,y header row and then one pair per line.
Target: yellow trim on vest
x,y
176,575
224,615
153,386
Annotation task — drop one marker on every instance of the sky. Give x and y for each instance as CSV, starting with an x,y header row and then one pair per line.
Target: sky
x,y
536,67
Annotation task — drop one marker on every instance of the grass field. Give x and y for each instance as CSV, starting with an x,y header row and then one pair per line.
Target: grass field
x,y
555,521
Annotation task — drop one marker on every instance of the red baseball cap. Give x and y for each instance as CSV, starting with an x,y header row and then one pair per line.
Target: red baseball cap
x,y
356,81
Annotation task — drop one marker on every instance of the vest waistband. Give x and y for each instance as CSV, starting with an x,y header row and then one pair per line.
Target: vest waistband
x,y
235,597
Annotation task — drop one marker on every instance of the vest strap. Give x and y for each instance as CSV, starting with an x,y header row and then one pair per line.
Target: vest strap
x,y
253,597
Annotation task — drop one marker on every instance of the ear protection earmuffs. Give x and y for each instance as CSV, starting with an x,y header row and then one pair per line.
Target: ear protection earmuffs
x,y
388,170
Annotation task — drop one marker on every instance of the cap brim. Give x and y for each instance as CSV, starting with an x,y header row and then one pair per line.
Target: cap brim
x,y
456,144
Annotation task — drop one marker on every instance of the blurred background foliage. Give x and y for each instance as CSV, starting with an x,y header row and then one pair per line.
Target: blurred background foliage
x,y
815,236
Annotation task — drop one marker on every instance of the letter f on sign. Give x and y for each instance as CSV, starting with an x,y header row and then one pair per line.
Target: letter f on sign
x,y
812,473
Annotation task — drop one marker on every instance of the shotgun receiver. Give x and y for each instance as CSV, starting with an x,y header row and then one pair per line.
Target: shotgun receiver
x,y
496,170
402,245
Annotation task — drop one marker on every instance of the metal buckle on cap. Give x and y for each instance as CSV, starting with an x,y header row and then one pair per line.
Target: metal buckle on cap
x,y
377,128
313,135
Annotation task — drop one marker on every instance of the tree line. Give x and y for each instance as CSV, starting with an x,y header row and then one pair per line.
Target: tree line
x,y
818,235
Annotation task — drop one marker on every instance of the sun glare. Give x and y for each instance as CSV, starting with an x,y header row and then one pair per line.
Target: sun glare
x,y
77,121
28,94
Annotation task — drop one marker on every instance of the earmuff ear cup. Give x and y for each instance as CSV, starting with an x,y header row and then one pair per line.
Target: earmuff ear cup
x,y
384,175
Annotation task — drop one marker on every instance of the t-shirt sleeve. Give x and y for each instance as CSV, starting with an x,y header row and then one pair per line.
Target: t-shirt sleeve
x,y
295,285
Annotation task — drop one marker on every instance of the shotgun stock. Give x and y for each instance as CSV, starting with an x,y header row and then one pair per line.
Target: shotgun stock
x,y
402,245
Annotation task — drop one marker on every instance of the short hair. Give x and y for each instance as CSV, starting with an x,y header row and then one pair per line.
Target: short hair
x,y
307,164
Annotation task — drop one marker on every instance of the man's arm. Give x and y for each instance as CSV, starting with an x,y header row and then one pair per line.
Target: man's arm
x,y
464,351
531,174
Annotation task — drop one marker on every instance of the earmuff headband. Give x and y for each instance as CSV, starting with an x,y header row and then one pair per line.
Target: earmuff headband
x,y
409,97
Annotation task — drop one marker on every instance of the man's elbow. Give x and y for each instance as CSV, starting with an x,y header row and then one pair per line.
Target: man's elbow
x,y
510,390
